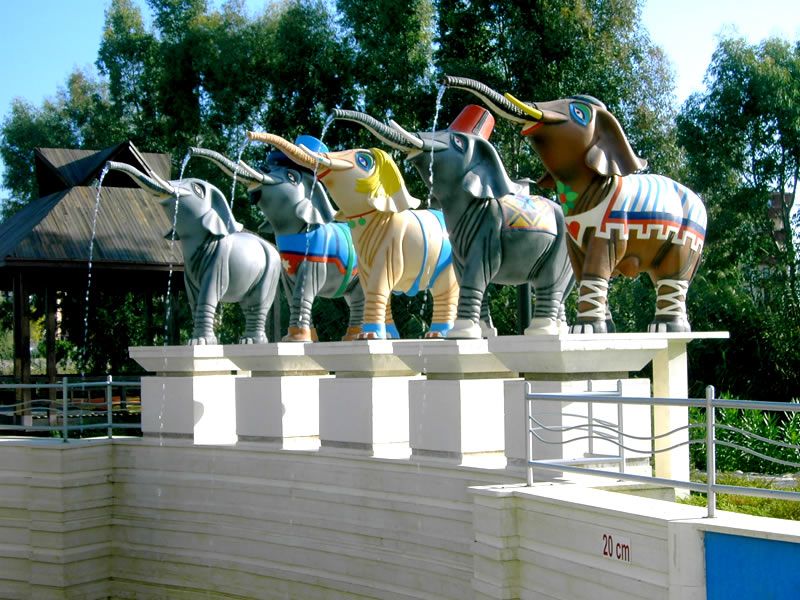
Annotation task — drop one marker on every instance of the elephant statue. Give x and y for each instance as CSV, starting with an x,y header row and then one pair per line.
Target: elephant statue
x,y
222,263
318,256
399,250
618,222
499,233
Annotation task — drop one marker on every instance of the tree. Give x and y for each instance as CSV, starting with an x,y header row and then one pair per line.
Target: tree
x,y
743,148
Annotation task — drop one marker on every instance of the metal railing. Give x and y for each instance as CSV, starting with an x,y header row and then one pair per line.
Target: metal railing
x,y
82,406
591,429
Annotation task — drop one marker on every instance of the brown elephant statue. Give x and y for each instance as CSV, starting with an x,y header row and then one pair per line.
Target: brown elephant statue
x,y
618,222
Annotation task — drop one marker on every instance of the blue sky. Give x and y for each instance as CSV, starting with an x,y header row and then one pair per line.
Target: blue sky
x,y
42,41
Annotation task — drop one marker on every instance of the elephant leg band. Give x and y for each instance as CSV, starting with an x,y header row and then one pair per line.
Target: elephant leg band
x,y
675,301
593,292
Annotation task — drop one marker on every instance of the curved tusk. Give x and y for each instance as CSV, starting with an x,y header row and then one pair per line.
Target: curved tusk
x,y
299,155
535,113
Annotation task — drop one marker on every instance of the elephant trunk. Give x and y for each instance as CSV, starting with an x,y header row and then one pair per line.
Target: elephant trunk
x,y
241,170
294,152
153,184
496,101
392,135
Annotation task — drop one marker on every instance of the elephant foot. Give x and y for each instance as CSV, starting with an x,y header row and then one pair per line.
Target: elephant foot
x,y
438,331
543,326
465,329
369,335
207,340
297,334
589,327
670,326
487,330
314,336
351,334
255,338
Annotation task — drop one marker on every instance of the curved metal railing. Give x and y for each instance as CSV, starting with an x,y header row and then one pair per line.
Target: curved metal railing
x,y
79,407
612,434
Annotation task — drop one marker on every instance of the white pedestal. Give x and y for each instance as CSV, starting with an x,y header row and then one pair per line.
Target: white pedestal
x,y
365,415
201,407
454,418
279,410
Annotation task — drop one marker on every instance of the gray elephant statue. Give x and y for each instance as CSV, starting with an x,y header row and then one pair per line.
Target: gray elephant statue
x,y
619,222
317,255
499,233
222,263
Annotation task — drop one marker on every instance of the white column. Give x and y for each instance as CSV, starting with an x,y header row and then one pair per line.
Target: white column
x,y
670,380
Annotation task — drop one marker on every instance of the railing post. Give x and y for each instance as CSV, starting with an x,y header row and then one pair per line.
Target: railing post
x,y
109,413
590,416
711,452
620,435
64,409
529,436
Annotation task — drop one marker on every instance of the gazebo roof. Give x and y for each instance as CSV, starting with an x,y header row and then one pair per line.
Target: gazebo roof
x,y
60,168
50,237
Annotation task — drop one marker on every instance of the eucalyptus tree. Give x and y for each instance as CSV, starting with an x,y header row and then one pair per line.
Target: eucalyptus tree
x,y
742,141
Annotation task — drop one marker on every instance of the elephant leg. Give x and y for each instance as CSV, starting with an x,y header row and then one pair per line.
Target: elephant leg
x,y
671,307
354,297
445,302
203,325
300,304
487,326
473,290
255,320
592,306
375,309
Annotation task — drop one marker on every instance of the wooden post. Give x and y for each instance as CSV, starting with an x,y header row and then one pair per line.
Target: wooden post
x,y
50,338
22,340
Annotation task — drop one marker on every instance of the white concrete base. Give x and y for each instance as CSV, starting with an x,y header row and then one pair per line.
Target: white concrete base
x,y
558,414
279,410
202,407
365,414
451,418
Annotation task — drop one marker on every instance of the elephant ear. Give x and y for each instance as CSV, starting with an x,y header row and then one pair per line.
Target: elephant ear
x,y
386,191
486,176
318,209
219,221
612,154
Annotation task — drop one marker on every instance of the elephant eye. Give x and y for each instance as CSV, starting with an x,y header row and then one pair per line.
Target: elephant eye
x,y
199,191
292,177
458,142
581,113
365,161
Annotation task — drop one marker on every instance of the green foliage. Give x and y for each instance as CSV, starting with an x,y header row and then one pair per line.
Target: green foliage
x,y
742,146
750,505
777,427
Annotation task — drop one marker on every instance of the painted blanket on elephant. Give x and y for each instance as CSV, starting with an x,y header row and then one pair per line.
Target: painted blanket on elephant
x,y
528,213
330,243
645,205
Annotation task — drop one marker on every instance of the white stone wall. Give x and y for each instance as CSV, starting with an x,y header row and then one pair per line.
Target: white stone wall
x,y
164,518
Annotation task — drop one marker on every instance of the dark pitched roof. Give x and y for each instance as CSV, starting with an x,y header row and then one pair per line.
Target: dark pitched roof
x,y
58,169
51,236
57,231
